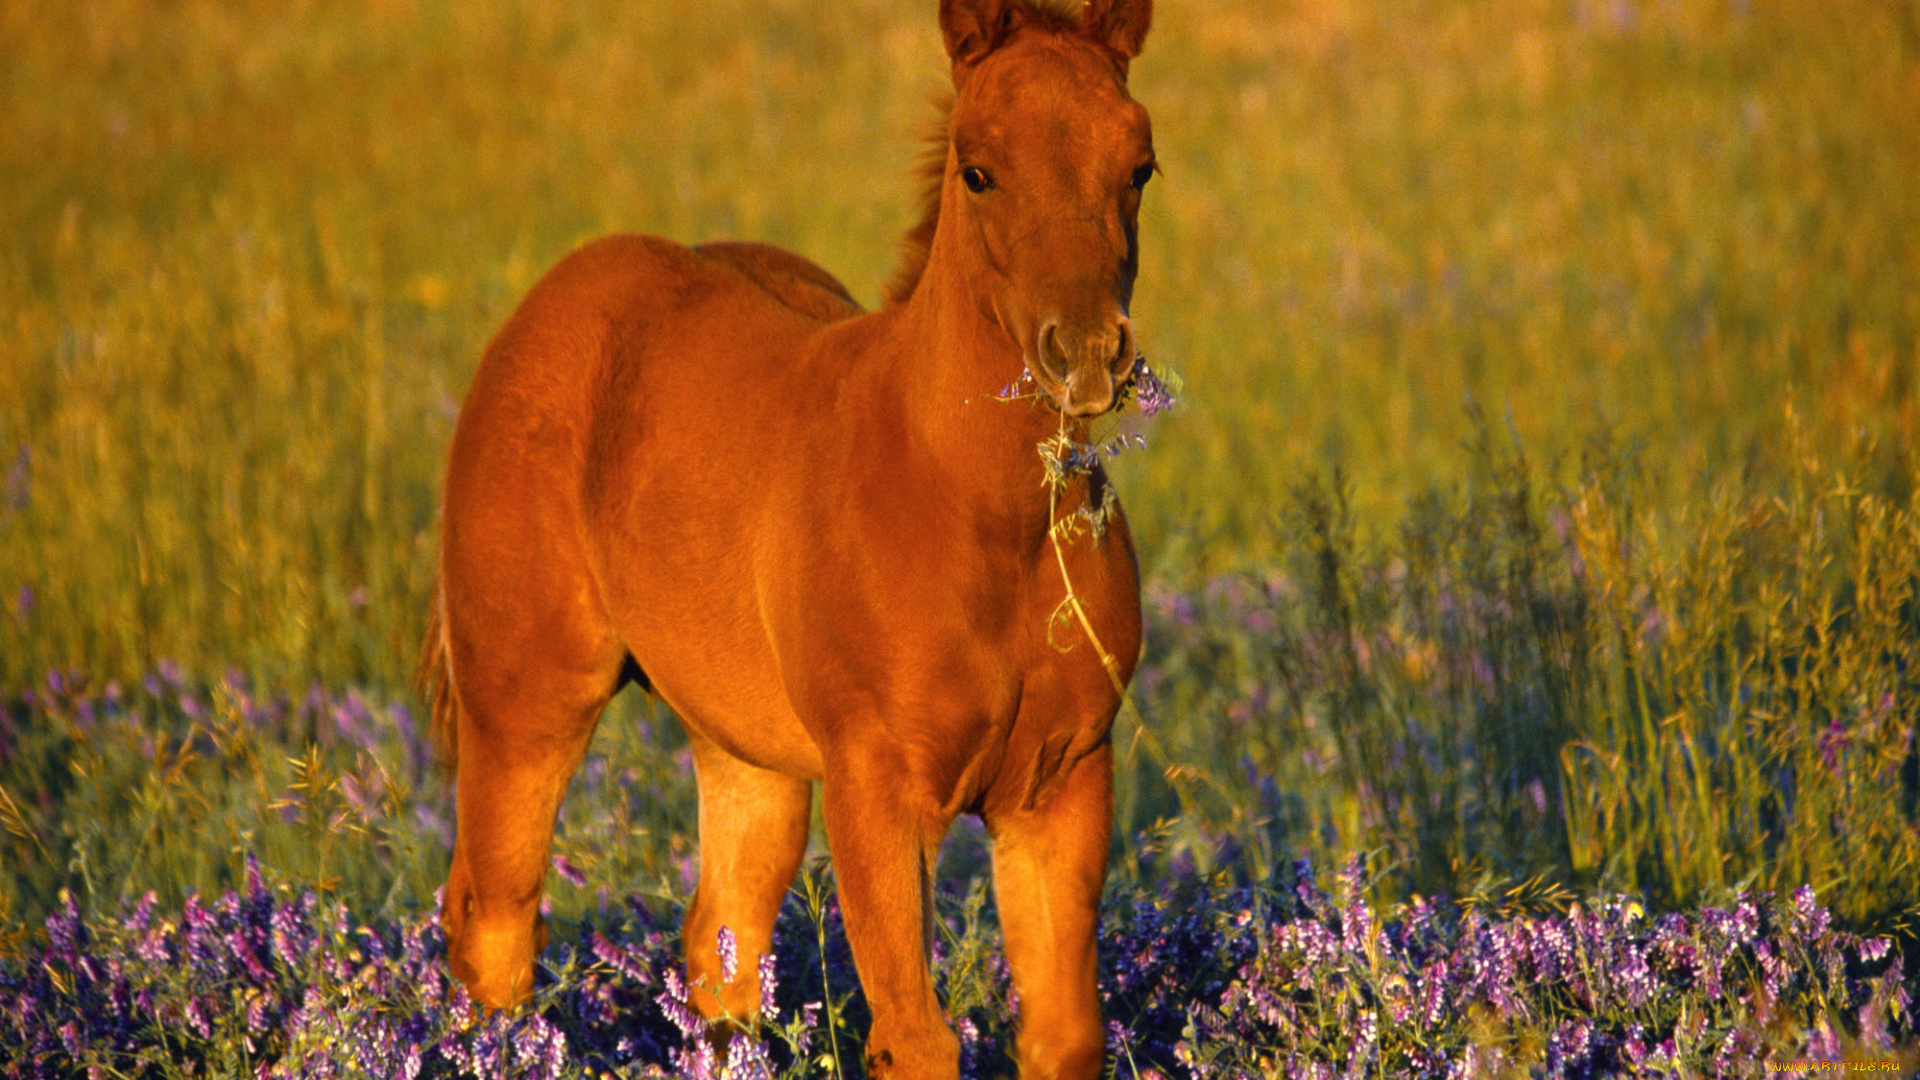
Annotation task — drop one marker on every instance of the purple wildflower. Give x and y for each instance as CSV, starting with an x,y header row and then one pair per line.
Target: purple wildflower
x,y
1833,744
729,955
20,479
1633,978
1823,1043
769,983
1149,392
1021,386
675,1007
568,872
1571,1043
1813,917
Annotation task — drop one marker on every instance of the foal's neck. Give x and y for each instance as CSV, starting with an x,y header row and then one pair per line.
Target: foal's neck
x,y
987,445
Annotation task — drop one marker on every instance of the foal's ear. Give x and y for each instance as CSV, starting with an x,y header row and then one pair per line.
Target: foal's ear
x,y
974,28
1120,25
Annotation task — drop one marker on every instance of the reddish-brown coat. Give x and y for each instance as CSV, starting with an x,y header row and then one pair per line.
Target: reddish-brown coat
x,y
821,537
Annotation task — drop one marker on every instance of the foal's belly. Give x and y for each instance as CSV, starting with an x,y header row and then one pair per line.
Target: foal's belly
x,y
758,728
721,681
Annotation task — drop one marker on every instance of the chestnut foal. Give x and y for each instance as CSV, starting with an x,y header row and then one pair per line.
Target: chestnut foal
x,y
821,537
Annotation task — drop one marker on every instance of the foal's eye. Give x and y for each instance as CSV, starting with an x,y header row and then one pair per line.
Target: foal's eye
x,y
1143,174
976,179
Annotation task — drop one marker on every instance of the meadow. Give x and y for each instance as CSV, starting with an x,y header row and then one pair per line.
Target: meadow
x,y
1538,525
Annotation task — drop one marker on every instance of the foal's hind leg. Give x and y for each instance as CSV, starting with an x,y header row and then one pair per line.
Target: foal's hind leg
x,y
508,792
753,833
529,688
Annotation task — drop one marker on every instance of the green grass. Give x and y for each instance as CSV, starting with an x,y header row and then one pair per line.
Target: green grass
x,y
1606,314
1520,685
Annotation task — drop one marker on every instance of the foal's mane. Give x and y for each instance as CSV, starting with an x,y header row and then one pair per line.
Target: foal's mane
x,y
1056,16
930,170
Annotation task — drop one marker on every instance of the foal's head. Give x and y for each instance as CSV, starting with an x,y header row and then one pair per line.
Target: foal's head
x,y
1046,159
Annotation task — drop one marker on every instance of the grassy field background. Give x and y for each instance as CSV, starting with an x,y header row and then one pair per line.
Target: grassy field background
x,y
1541,506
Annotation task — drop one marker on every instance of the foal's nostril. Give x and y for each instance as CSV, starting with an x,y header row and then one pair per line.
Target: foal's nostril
x,y
1053,356
1123,357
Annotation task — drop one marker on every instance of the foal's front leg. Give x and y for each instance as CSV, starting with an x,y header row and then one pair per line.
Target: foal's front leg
x,y
1049,865
885,834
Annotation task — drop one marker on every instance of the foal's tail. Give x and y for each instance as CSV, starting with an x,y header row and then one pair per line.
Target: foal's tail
x,y
433,680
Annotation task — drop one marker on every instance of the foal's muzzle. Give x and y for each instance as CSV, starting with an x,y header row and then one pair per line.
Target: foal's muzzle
x,y
1082,371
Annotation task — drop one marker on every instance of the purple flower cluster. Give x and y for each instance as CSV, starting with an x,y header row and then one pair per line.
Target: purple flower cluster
x,y
1320,985
1149,391
1198,981
173,705
277,982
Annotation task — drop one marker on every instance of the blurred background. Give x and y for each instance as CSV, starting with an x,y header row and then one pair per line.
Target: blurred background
x,y
1540,505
